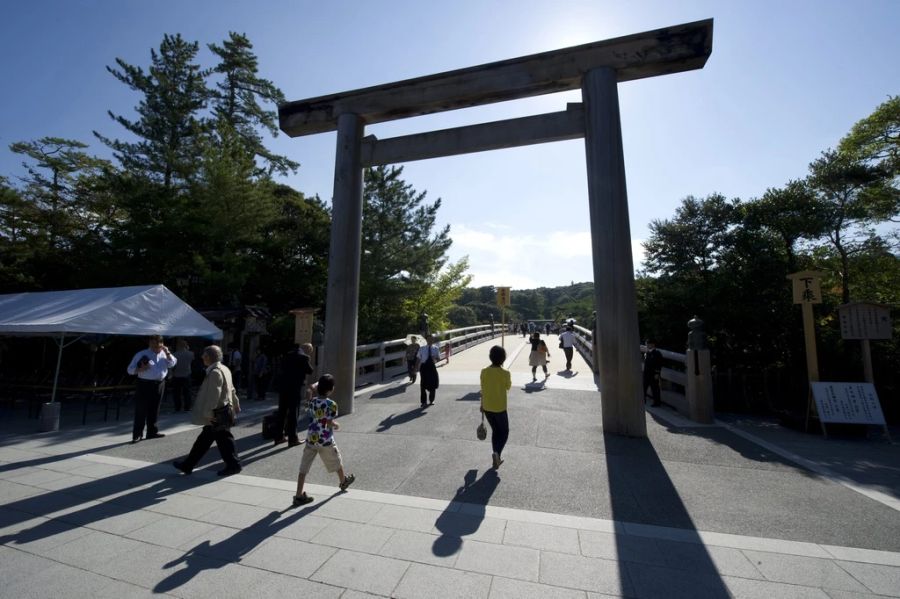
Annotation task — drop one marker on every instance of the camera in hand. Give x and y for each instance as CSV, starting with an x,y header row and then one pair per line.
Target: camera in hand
x,y
143,361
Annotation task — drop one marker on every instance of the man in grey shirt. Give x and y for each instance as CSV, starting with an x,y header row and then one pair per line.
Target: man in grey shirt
x,y
181,376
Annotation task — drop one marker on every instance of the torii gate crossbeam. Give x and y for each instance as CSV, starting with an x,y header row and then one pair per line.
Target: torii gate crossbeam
x,y
596,69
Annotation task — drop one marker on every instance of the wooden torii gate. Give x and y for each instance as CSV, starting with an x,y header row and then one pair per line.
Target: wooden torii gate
x,y
596,69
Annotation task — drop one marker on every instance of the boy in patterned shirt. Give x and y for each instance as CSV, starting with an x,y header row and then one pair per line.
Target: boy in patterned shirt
x,y
320,440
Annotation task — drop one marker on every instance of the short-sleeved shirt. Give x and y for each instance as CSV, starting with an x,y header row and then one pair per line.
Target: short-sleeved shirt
x,y
432,349
322,411
567,338
495,382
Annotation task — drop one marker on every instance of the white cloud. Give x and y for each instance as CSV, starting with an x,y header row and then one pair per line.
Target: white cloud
x,y
526,261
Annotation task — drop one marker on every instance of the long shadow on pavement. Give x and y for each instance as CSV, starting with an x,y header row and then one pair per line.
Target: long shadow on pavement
x,y
68,500
211,556
48,459
635,555
402,418
454,525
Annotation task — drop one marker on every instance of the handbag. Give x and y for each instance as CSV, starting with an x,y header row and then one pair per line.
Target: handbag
x,y
223,418
481,431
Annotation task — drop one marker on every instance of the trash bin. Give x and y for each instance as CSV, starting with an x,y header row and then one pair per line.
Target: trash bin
x,y
50,417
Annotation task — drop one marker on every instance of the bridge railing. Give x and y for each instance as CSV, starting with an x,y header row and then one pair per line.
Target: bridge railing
x,y
689,376
584,343
382,361
690,383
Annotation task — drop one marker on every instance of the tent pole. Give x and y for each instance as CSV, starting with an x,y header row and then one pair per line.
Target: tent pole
x,y
62,339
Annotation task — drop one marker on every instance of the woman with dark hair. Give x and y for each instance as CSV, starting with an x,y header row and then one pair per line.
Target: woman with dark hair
x,y
429,354
538,356
495,384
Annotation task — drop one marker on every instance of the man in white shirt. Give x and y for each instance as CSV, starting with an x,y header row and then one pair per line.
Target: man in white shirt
x,y
151,366
567,342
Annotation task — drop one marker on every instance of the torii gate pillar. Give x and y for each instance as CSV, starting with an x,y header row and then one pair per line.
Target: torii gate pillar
x,y
342,299
614,296
596,68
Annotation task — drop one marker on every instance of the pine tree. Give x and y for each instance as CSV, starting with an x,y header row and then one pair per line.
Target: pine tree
x,y
235,99
401,252
169,124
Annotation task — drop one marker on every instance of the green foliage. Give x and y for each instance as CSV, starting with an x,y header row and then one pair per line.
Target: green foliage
x,y
876,138
791,213
235,100
852,196
441,290
402,261
169,123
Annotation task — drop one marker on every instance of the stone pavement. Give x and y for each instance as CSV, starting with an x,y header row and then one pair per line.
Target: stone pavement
x,y
740,509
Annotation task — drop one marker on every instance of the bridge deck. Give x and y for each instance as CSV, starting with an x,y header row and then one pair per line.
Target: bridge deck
x,y
464,367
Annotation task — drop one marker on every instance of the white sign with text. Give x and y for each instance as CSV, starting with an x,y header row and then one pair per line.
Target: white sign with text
x,y
855,403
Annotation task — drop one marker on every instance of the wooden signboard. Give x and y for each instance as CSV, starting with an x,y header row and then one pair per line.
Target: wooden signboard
x,y
865,320
503,298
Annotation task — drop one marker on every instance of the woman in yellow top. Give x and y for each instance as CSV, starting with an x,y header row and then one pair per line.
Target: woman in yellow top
x,y
495,383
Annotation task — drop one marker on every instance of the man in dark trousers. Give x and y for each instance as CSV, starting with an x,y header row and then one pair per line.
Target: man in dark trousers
x,y
295,366
652,367
151,366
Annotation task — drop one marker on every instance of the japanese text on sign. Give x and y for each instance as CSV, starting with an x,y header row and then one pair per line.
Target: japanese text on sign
x,y
806,290
863,320
855,403
503,296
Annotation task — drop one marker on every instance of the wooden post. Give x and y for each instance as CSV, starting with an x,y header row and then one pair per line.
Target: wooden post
x,y
342,300
809,336
868,373
806,292
620,365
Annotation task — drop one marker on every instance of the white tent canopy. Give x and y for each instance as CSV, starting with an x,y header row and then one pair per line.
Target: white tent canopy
x,y
140,310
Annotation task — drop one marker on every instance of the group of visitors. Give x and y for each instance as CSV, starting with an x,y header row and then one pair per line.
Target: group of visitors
x,y
217,404
217,401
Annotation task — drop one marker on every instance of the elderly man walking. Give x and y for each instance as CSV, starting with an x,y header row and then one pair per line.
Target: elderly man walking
x,y
216,392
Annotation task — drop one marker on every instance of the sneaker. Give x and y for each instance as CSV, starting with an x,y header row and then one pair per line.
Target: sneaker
x,y
496,459
348,480
179,464
294,442
136,440
279,441
302,499
156,436
229,470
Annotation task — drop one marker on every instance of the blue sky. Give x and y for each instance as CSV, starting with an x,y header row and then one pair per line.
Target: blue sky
x,y
786,80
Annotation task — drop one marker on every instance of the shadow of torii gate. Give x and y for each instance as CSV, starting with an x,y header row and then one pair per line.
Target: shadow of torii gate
x,y
596,68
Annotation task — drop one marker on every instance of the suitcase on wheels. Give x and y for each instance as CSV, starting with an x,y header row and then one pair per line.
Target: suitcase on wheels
x,y
270,426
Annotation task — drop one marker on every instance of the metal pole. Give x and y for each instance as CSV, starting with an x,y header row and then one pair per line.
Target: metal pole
x,y
62,339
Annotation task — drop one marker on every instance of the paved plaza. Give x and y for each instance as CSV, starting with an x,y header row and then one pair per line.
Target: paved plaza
x,y
742,508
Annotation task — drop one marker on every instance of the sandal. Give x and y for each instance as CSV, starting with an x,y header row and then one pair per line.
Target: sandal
x,y
302,499
348,480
